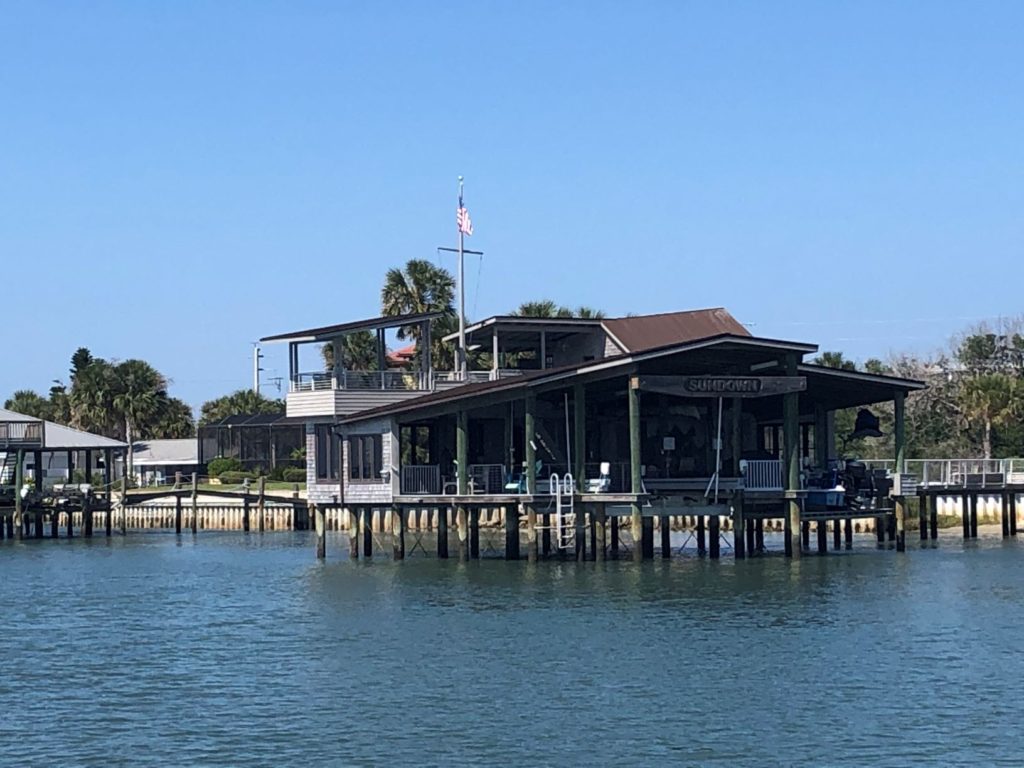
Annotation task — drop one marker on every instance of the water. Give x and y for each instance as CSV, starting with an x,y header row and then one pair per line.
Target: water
x,y
242,650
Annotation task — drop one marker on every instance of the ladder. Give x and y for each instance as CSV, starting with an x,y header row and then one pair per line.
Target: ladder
x,y
562,488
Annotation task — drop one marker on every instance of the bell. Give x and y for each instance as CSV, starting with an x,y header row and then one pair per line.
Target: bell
x,y
866,425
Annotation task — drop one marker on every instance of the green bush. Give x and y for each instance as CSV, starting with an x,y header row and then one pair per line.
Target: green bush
x,y
219,466
235,478
293,475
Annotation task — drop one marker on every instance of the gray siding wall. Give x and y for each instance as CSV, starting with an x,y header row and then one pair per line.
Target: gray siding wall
x,y
342,402
318,492
372,493
611,349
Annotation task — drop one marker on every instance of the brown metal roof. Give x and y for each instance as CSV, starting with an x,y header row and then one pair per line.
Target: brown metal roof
x,y
650,331
372,324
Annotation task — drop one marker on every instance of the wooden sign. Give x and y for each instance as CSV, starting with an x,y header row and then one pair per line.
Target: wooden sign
x,y
723,386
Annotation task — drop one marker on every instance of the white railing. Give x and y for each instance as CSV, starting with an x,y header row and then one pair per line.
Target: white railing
x,y
21,432
421,479
390,381
762,474
487,478
965,472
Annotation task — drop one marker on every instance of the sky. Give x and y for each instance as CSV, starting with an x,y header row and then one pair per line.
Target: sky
x,y
179,179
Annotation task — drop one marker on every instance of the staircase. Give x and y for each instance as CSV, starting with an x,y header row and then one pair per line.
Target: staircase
x,y
7,468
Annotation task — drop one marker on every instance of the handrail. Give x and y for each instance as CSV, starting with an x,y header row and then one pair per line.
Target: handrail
x,y
402,381
21,432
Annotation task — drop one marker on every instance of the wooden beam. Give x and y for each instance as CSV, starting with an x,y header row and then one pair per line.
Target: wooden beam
x,y
636,485
724,386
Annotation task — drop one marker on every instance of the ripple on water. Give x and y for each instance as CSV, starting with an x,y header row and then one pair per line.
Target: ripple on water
x,y
241,650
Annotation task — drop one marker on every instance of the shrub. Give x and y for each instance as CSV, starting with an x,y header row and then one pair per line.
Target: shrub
x,y
219,466
293,475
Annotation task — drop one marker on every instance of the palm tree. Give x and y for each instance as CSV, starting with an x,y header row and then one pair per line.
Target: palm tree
x,y
992,399
243,401
835,360
91,400
140,390
358,352
421,287
29,403
549,308
174,420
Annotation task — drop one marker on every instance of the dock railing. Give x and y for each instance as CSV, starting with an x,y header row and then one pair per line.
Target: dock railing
x,y
390,381
762,474
421,479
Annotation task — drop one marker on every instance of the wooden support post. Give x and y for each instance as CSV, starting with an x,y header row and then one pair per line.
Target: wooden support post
x,y
38,520
739,528
666,537
367,532
442,533
545,537
974,515
70,525
474,533
647,537
10,525
3,525
880,525
177,513
837,534
714,537
54,523
245,512
398,532
965,506
788,534
261,504
530,436
613,546
933,518
635,459
759,535
600,532
900,524
19,504
462,462
922,515
805,534
353,534
321,530
751,544
701,545
1013,513
579,412
195,503
822,530
848,533
87,514
1004,513
512,532
462,532
581,534
791,457
532,549
592,526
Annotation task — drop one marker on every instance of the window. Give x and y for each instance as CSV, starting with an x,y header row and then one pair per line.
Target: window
x,y
366,458
327,453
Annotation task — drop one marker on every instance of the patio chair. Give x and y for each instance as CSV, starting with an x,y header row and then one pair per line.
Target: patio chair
x,y
516,482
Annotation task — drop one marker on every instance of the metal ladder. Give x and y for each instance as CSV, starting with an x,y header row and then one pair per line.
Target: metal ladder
x,y
565,514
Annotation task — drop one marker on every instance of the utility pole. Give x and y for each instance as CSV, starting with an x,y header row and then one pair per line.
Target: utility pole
x,y
256,357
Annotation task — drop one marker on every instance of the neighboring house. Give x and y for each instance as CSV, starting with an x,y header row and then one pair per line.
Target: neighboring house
x,y
157,461
390,435
54,453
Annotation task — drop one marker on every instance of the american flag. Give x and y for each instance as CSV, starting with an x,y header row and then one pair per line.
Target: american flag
x,y
462,219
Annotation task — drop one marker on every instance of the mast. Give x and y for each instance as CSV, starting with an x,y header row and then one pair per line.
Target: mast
x,y
462,362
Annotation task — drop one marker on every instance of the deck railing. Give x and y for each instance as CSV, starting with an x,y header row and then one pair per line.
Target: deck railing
x,y
421,479
21,433
389,381
762,474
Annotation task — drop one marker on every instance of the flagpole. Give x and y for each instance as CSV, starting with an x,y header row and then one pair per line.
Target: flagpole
x,y
463,367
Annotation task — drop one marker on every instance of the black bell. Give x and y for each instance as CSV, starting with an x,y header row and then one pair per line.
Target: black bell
x,y
866,425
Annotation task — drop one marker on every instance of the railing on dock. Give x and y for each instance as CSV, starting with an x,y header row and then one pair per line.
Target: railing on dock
x,y
390,381
421,479
762,474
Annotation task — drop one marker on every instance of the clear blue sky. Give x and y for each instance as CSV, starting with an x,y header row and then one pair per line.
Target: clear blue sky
x,y
178,179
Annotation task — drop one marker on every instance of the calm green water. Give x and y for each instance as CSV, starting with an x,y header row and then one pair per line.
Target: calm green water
x,y
241,650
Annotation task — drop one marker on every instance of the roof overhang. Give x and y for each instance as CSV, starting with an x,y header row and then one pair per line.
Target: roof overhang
x,y
557,378
532,324
329,332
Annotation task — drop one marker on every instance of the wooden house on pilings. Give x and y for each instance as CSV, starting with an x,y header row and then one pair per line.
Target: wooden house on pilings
x,y
662,416
40,462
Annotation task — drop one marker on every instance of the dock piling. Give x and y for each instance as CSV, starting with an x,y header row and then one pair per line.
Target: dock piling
x,y
714,537
321,531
